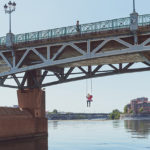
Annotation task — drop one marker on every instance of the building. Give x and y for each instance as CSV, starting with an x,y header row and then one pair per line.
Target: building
x,y
15,106
139,105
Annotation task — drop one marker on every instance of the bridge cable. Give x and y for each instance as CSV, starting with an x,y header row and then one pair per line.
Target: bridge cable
x,y
91,86
89,90
91,73
86,87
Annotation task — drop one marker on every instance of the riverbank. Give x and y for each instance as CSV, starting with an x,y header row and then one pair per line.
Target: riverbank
x,y
135,116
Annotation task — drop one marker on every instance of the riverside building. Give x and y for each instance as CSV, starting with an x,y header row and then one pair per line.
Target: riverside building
x,y
139,105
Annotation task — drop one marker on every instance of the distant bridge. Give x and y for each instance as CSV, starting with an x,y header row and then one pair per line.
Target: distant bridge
x,y
75,116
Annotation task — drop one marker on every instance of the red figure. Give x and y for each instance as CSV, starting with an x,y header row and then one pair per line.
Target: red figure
x,y
89,100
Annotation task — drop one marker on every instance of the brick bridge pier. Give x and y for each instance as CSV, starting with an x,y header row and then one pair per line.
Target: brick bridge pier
x,y
29,119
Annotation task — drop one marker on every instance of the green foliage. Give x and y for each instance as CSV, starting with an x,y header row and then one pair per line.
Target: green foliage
x,y
55,111
80,117
131,111
115,114
49,113
125,109
141,110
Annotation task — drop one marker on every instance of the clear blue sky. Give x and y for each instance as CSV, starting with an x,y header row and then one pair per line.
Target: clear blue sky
x,y
109,92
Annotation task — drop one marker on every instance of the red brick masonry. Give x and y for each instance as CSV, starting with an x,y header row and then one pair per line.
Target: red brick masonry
x,y
26,121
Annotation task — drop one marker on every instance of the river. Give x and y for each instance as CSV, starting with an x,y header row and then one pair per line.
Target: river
x,y
90,135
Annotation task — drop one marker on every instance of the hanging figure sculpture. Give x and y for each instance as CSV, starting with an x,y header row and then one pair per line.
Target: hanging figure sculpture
x,y
89,99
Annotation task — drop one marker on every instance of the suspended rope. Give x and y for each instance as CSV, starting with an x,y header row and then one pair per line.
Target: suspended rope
x,y
91,87
89,92
86,87
91,74
89,95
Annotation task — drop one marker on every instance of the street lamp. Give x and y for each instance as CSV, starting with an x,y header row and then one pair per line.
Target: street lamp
x,y
8,10
134,23
134,6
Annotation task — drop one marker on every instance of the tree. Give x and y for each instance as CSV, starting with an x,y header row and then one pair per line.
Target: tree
x,y
125,109
55,111
141,110
131,111
115,114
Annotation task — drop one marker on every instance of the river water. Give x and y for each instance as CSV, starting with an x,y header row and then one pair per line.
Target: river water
x,y
90,135
99,135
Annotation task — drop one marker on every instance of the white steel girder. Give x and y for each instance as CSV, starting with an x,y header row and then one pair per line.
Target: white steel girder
x,y
53,77
14,67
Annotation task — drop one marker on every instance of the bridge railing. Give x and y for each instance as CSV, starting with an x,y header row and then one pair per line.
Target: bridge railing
x,y
144,20
84,28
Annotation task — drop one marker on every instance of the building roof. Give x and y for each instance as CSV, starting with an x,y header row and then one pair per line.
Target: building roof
x,y
15,112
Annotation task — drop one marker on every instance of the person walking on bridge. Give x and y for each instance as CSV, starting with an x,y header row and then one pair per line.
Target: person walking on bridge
x,y
78,26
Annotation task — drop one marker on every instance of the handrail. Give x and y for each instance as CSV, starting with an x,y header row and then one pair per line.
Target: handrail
x,y
84,28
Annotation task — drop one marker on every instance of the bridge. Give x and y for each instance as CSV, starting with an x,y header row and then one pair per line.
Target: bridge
x,y
69,54
49,57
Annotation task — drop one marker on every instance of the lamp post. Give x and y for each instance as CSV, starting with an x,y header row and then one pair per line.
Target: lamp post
x,y
134,23
134,6
8,10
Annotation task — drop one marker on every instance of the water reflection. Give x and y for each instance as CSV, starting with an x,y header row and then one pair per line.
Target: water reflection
x,y
55,124
138,128
28,144
116,123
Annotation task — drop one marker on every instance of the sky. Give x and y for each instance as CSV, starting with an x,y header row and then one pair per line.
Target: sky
x,y
112,92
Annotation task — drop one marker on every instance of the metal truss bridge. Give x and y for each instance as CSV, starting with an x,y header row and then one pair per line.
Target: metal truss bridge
x,y
50,57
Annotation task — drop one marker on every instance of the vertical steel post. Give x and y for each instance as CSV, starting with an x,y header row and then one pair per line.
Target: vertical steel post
x,y
9,22
10,37
134,23
134,6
